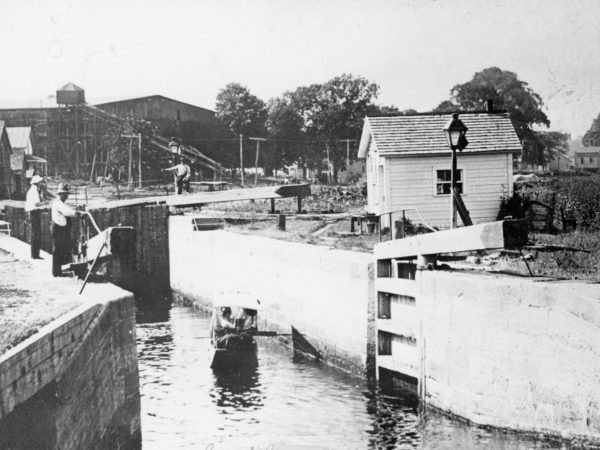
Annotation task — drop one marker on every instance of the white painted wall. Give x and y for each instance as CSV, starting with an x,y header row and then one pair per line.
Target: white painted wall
x,y
323,293
486,179
512,351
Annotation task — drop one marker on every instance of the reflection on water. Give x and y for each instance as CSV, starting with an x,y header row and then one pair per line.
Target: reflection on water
x,y
284,401
238,390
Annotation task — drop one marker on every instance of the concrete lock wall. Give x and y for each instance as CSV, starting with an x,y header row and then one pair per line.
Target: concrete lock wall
x,y
74,384
321,292
151,259
512,352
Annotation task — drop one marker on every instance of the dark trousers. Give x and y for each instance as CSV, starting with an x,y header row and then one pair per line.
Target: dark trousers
x,y
61,248
182,185
35,220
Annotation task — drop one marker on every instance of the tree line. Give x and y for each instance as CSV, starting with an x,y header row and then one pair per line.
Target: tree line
x,y
317,124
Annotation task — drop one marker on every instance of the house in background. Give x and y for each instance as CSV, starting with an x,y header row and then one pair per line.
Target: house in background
x,y
6,178
587,159
561,163
409,165
24,164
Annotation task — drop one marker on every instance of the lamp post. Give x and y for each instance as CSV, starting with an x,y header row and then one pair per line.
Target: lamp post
x,y
455,132
174,148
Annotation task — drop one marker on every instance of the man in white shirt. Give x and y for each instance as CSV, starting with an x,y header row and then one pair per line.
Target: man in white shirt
x,y
182,174
61,230
32,203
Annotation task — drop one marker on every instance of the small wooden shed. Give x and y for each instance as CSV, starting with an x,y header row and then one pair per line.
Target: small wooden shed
x,y
409,165
539,216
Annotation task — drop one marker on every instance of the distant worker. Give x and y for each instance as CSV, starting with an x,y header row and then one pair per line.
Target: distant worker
x,y
61,229
182,174
33,201
186,180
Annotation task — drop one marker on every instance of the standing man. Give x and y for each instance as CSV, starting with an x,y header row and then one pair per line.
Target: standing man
x,y
61,230
32,203
182,174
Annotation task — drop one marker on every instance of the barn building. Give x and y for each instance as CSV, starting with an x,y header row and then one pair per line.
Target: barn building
x,y
157,108
409,165
6,178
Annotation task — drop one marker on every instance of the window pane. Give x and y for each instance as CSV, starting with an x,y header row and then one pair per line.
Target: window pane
x,y
444,182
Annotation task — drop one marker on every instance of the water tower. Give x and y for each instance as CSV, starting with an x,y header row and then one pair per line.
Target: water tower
x,y
71,145
70,94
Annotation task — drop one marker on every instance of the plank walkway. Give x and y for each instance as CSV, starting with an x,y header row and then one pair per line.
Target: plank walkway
x,y
203,198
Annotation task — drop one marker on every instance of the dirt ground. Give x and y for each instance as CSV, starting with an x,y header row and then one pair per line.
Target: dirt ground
x,y
26,301
333,231
327,222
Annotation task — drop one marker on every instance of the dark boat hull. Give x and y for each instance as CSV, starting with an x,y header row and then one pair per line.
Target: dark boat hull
x,y
233,359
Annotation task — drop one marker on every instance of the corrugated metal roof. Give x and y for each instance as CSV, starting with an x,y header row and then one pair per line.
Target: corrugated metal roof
x,y
18,136
423,134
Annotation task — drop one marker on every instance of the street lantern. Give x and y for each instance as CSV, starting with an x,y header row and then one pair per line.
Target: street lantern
x,y
174,147
455,132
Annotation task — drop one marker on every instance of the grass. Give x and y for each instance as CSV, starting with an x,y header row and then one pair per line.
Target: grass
x,y
568,264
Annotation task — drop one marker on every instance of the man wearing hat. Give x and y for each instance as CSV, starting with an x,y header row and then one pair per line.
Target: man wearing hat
x,y
61,229
32,203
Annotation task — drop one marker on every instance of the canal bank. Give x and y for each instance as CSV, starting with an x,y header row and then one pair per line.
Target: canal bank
x,y
69,379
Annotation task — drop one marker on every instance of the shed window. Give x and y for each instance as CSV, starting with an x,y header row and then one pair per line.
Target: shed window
x,y
581,160
591,160
444,181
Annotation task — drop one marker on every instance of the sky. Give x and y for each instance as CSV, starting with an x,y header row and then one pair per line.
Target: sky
x,y
416,51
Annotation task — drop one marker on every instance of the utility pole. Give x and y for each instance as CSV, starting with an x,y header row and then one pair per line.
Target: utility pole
x,y
140,160
242,159
347,157
256,159
130,176
328,164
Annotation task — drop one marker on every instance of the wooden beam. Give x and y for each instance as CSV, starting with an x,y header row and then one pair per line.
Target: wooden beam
x,y
493,235
293,190
113,241
203,198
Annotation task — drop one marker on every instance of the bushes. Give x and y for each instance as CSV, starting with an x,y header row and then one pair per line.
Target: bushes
x,y
573,197
513,206
579,198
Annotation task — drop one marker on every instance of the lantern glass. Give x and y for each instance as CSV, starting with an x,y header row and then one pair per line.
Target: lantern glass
x,y
174,147
453,130
452,138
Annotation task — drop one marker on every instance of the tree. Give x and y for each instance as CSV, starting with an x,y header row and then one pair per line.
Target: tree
x,y
241,113
508,92
553,143
333,112
591,138
285,126
447,106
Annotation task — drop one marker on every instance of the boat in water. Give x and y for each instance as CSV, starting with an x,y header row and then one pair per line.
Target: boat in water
x,y
233,329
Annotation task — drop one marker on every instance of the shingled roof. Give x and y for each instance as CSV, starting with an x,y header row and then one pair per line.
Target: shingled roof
x,y
423,134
